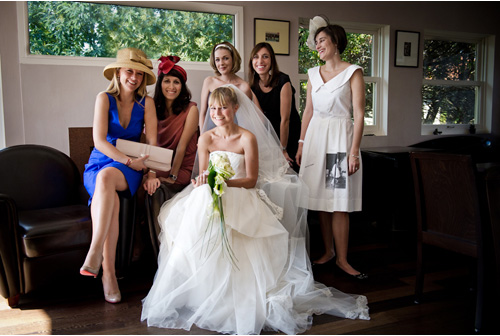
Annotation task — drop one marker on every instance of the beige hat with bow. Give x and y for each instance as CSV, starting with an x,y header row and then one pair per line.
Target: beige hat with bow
x,y
134,59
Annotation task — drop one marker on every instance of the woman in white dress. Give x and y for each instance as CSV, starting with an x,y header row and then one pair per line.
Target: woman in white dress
x,y
330,140
261,279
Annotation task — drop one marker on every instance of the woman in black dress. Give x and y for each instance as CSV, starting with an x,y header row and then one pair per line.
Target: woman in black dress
x,y
276,97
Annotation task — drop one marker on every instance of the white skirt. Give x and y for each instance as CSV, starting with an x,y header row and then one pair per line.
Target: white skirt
x,y
266,288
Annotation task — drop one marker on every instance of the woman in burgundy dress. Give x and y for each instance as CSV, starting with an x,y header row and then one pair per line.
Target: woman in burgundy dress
x,y
177,125
177,130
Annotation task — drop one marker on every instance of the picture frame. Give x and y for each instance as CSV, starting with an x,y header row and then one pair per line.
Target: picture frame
x,y
274,32
407,49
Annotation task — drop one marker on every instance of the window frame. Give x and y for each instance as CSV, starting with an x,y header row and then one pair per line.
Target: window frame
x,y
484,81
380,70
26,58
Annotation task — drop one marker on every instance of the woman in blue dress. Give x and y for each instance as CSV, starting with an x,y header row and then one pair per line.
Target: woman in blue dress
x,y
121,112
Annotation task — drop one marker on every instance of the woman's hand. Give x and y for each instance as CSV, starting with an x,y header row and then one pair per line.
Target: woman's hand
x,y
151,184
298,156
354,164
138,163
200,179
288,158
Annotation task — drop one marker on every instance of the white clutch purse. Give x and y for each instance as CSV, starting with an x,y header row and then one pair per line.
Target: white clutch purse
x,y
159,158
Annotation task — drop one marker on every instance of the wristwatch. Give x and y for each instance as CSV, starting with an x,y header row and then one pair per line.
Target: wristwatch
x,y
173,177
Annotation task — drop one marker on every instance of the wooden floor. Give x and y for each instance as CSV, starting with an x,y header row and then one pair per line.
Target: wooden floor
x,y
448,307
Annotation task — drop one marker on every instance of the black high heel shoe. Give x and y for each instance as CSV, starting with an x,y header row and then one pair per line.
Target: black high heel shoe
x,y
360,276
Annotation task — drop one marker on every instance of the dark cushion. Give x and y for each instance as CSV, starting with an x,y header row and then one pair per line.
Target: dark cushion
x,y
55,230
38,177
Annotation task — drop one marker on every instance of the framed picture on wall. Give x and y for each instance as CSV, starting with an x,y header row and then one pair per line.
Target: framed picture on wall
x,y
274,32
407,49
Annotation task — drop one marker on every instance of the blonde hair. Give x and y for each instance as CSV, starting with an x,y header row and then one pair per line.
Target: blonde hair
x,y
224,96
235,55
114,86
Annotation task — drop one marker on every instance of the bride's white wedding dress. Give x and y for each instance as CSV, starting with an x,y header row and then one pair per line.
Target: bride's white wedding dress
x,y
270,288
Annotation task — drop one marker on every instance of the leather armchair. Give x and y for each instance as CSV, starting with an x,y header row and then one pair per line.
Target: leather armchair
x,y
45,223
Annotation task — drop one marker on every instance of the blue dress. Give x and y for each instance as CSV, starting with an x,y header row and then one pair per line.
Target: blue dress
x,y
98,160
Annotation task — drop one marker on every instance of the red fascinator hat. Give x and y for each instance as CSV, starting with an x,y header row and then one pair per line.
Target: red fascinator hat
x,y
167,63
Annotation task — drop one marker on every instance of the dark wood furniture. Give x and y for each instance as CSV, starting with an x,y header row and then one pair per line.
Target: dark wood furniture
x,y
388,195
448,213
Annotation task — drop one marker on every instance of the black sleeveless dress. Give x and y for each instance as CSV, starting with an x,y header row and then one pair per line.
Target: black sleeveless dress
x,y
270,103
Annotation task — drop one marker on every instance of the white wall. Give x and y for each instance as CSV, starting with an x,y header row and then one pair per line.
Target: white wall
x,y
42,101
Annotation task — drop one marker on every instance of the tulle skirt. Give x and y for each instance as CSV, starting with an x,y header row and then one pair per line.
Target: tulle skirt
x,y
268,286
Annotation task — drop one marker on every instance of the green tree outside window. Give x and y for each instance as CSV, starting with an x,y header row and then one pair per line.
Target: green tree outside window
x,y
66,28
451,64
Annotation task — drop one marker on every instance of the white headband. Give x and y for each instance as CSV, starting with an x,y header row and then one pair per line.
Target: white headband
x,y
314,24
223,46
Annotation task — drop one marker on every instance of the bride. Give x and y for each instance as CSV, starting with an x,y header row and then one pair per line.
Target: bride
x,y
261,279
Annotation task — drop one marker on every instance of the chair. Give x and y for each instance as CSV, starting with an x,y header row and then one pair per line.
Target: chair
x,y
153,205
81,144
448,212
45,224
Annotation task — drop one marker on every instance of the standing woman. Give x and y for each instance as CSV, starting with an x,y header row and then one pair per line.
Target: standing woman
x,y
226,62
122,112
329,149
276,97
177,125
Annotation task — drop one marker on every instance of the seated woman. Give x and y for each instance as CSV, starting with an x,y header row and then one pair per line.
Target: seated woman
x,y
177,130
122,112
237,263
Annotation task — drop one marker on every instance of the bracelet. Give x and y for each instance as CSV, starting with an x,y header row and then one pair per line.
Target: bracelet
x,y
173,177
355,156
152,171
129,161
301,141
283,148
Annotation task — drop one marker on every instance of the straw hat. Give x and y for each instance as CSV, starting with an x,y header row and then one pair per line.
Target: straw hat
x,y
134,59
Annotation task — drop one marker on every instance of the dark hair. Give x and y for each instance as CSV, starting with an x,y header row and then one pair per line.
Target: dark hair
x,y
253,77
180,103
337,35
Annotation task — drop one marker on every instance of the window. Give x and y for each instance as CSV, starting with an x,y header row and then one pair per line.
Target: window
x,y
454,87
85,32
368,47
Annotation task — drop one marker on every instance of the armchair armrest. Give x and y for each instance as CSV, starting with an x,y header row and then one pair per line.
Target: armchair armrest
x,y
10,267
